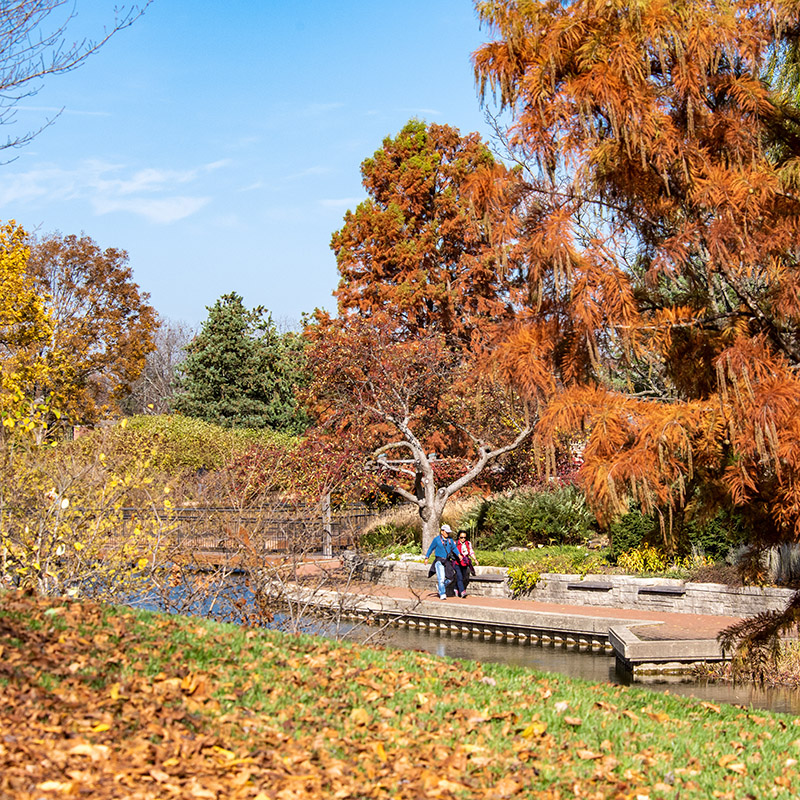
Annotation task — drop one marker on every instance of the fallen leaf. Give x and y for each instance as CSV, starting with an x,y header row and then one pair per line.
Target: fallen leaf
x,y
587,755
94,751
506,787
359,717
55,786
380,751
450,786
603,706
573,721
534,729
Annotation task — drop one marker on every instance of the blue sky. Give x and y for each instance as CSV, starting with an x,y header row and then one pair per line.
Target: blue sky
x,y
220,143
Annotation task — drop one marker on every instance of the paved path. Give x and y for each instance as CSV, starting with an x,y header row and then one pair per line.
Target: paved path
x,y
657,625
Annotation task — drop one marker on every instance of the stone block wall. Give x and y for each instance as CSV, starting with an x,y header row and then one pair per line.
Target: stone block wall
x,y
618,591
659,594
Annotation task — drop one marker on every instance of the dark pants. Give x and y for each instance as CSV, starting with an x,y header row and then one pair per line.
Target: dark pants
x,y
462,577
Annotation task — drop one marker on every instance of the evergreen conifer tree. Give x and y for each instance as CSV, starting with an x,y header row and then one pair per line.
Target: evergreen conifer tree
x,y
241,372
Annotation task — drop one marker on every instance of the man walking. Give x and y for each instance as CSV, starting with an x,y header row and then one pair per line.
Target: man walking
x,y
443,548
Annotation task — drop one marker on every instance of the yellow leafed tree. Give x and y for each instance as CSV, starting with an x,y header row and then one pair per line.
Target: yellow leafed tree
x,y
24,327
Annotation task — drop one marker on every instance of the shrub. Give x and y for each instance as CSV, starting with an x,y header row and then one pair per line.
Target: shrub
x,y
629,532
178,444
522,580
644,558
387,536
713,538
647,559
551,516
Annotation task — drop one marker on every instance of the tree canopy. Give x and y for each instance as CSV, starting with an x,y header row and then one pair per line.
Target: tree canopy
x,y
659,227
240,372
424,246
403,372
404,403
102,324
25,326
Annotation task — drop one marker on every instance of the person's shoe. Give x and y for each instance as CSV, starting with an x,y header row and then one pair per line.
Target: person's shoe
x,y
459,594
464,594
443,597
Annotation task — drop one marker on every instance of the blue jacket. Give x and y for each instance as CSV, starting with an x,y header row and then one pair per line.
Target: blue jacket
x,y
441,548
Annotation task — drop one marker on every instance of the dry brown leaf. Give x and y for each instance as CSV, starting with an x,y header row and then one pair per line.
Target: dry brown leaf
x,y
505,787
55,786
94,751
359,717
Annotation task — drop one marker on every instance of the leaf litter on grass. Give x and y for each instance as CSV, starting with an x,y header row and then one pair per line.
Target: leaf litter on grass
x,y
116,703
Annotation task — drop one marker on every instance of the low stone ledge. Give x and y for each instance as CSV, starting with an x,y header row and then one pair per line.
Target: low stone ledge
x,y
633,651
589,586
673,591
624,591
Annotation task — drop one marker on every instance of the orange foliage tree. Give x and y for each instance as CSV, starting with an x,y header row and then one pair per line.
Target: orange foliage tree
x,y
425,246
425,274
102,325
659,229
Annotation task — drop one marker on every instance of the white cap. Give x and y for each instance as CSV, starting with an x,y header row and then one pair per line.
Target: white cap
x,y
447,529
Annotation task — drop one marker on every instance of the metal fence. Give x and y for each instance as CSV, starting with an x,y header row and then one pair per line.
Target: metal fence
x,y
282,528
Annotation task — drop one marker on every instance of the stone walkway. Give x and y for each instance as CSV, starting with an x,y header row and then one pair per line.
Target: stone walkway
x,y
657,625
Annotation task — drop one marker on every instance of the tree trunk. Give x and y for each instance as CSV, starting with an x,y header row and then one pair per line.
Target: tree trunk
x,y
430,530
431,512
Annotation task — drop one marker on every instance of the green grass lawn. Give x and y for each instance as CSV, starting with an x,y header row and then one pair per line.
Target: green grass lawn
x,y
118,703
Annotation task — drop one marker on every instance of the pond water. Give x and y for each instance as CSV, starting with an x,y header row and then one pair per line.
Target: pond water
x,y
592,666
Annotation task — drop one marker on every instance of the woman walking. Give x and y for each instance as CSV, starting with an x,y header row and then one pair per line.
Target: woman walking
x,y
466,561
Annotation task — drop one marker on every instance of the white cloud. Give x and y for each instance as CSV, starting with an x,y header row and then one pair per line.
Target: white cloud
x,y
55,110
422,112
162,210
309,172
110,187
315,109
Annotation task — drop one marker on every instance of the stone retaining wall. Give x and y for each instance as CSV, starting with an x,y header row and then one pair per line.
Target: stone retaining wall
x,y
618,591
660,594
